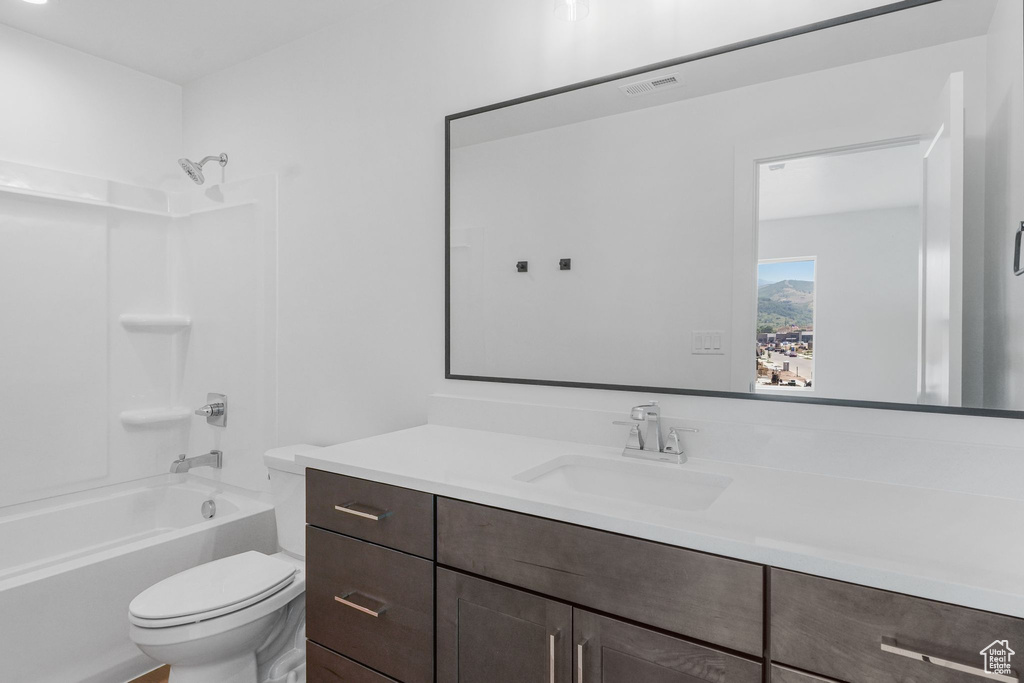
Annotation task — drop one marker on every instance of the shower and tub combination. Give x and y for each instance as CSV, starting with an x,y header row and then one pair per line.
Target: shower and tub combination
x,y
72,564
140,299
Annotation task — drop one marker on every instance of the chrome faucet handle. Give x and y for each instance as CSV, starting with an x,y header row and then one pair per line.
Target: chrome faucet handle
x,y
636,437
215,411
673,445
211,410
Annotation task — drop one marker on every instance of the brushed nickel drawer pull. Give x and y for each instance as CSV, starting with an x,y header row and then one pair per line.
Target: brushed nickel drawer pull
x,y
579,661
374,608
551,655
889,645
364,511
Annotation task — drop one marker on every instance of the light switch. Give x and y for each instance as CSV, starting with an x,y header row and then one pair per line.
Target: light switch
x,y
708,342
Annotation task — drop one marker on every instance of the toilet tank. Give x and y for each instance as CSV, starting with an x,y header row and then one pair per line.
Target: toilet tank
x,y
288,489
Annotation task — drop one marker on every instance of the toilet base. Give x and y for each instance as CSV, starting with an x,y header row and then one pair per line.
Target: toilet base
x,y
241,669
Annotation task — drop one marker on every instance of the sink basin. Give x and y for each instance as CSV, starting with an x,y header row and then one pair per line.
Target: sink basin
x,y
666,486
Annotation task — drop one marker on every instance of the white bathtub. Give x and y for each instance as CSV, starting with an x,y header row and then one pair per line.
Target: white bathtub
x,y
70,565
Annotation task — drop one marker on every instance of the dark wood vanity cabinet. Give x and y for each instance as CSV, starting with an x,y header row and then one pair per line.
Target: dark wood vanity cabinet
x,y
509,598
325,666
859,634
369,598
494,634
390,516
781,674
490,633
713,599
372,604
607,650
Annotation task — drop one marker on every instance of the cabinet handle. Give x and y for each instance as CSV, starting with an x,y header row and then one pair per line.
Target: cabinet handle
x,y
364,511
579,661
889,645
551,655
374,608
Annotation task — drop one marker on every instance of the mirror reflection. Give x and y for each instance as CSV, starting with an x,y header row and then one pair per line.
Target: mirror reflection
x,y
827,216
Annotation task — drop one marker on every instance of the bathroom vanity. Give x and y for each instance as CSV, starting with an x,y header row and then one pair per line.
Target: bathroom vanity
x,y
436,553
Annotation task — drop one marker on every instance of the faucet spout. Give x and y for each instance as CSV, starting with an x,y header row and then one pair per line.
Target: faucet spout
x,y
650,413
214,459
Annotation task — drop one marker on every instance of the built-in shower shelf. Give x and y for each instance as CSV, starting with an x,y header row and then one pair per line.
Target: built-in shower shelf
x,y
155,417
167,323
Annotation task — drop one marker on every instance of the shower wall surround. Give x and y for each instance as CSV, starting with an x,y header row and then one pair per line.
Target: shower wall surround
x,y
86,262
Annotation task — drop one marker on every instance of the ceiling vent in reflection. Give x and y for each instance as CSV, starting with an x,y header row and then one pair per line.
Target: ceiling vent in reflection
x,y
651,85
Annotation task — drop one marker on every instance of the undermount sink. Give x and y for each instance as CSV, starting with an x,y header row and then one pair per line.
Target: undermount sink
x,y
662,486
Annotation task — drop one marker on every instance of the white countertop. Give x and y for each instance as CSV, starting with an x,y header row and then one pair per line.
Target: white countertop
x,y
953,547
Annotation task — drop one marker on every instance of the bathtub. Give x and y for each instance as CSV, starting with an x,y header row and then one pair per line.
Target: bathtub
x,y
70,565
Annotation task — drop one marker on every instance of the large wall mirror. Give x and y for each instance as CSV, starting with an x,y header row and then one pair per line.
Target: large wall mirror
x,y
826,216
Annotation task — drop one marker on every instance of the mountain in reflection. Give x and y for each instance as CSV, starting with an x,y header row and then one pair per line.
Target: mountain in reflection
x,y
785,305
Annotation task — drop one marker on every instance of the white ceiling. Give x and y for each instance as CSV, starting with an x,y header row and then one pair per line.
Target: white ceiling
x,y
884,178
177,40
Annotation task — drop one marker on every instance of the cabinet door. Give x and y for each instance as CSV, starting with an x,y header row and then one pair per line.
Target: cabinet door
x,y
487,633
611,651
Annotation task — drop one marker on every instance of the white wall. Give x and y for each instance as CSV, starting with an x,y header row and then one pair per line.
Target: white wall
x,y
865,298
68,111
352,121
1004,292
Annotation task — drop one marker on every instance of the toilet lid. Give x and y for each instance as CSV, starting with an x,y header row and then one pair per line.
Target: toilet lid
x,y
214,586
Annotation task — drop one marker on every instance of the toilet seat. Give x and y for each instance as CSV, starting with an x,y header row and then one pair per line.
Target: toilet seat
x,y
211,590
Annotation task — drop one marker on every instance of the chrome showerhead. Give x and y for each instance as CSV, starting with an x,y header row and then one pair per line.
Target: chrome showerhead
x,y
194,170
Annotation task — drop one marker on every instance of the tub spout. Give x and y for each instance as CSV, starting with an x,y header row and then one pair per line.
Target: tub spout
x,y
213,459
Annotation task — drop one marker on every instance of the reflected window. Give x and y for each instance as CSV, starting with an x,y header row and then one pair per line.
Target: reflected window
x,y
785,324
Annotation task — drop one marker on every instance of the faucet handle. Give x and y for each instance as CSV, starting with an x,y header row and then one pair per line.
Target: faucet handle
x,y
215,411
181,457
672,444
636,437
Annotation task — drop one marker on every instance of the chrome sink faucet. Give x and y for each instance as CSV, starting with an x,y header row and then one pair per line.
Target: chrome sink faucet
x,y
649,442
651,414
214,459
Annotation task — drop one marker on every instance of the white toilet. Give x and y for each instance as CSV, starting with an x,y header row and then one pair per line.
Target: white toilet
x,y
240,619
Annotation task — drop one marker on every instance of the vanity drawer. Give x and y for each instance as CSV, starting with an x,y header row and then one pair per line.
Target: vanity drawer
x,y
324,666
709,598
398,588
839,630
781,674
387,515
